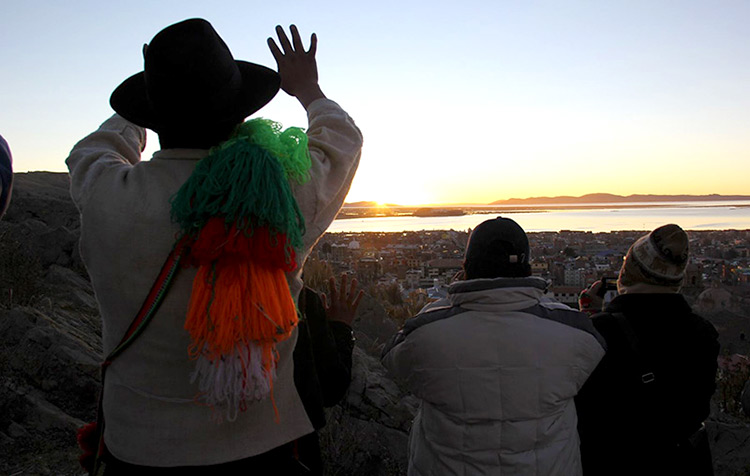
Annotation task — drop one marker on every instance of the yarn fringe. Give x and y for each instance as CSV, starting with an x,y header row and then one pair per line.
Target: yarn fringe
x,y
289,146
243,225
234,303
246,186
217,239
227,384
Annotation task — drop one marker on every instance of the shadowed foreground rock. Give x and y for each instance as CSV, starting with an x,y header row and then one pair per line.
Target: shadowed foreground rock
x,y
49,367
50,347
730,444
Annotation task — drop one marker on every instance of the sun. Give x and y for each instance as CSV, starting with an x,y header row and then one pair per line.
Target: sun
x,y
405,197
385,191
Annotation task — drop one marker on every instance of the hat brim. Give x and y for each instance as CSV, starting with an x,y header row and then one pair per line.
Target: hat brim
x,y
259,86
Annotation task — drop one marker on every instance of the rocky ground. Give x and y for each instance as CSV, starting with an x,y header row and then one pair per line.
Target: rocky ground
x,y
50,346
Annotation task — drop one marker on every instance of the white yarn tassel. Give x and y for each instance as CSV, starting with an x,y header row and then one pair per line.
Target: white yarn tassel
x,y
233,381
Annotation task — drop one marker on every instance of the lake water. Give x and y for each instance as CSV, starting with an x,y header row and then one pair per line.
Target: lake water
x,y
689,215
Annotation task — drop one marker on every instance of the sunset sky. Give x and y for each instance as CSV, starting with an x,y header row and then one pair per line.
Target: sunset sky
x,y
459,102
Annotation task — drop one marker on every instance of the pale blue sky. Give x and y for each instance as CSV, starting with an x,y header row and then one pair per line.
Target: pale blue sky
x,y
468,101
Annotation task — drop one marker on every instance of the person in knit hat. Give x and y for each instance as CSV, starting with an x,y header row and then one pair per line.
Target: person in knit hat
x,y
208,387
655,263
642,410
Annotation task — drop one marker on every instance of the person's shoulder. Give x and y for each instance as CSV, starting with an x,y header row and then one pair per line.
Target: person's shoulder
x,y
562,313
607,325
567,316
604,318
434,314
704,326
698,323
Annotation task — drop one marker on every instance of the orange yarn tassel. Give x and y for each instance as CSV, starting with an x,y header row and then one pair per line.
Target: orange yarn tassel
x,y
216,239
239,308
238,209
235,303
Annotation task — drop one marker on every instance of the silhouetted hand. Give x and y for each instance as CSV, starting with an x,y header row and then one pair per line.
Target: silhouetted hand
x,y
590,300
297,67
342,304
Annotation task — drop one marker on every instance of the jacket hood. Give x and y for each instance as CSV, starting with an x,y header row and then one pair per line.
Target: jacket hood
x,y
498,294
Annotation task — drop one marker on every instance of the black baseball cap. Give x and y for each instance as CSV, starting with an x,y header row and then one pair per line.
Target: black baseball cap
x,y
497,248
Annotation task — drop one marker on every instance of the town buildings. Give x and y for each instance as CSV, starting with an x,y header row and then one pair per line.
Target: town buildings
x,y
569,260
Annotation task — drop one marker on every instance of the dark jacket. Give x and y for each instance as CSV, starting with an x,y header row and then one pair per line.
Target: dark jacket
x,y
630,427
322,373
322,358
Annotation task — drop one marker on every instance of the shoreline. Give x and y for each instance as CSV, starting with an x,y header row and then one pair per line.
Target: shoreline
x,y
595,217
348,213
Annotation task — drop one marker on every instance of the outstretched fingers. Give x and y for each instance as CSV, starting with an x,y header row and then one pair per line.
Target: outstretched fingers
x,y
343,290
284,40
355,302
332,291
296,40
313,44
341,301
298,69
275,51
293,46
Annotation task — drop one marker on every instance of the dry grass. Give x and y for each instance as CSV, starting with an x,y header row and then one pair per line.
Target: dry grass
x,y
350,447
20,272
729,385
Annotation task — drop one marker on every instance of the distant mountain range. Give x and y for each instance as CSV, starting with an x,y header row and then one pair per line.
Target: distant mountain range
x,y
583,199
610,198
365,204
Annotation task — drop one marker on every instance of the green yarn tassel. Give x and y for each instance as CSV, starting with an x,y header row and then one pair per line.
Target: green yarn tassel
x,y
245,180
290,146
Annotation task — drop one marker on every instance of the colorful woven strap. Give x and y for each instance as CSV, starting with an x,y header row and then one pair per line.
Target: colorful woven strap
x,y
148,310
153,300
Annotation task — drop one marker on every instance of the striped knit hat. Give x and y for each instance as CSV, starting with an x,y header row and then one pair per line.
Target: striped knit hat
x,y
656,262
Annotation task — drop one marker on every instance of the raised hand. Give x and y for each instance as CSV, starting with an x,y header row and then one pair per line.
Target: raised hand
x,y
298,68
342,303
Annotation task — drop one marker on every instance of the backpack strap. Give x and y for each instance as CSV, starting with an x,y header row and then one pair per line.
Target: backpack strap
x,y
644,364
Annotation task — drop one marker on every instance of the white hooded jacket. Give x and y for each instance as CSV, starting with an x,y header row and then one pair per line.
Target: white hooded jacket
x,y
496,369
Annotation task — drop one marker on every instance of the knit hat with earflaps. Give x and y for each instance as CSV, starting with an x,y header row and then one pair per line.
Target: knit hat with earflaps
x,y
656,262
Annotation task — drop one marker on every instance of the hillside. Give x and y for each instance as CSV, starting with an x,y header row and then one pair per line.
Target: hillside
x,y
50,349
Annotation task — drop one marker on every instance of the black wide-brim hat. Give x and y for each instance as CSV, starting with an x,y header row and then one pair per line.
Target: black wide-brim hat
x,y
191,80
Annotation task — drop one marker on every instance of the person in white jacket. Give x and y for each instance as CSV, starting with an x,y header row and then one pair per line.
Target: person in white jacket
x,y
496,368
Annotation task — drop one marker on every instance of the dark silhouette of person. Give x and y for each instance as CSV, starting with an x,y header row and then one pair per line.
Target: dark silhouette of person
x,y
6,175
164,392
642,410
